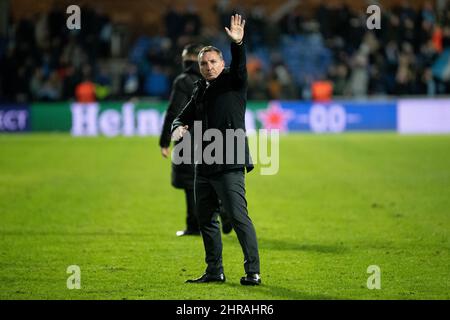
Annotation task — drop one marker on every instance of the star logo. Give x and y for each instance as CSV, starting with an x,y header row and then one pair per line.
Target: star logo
x,y
275,117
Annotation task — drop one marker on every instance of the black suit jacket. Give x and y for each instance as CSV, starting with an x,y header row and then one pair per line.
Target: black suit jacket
x,y
221,105
182,88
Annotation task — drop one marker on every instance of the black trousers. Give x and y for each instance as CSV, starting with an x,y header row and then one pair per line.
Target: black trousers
x,y
191,216
229,187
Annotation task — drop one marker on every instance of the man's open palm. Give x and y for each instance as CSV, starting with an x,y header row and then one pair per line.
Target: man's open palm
x,y
236,31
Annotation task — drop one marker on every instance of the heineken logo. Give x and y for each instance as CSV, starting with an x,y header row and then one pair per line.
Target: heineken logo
x,y
87,120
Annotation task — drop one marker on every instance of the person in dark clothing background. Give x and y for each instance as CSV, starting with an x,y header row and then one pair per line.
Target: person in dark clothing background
x,y
218,103
183,174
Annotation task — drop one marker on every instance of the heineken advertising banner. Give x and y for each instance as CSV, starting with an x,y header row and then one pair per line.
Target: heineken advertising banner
x,y
329,117
112,118
145,119
424,116
137,118
14,118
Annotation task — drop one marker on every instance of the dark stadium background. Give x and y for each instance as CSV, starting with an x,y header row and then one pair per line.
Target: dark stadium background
x,y
132,48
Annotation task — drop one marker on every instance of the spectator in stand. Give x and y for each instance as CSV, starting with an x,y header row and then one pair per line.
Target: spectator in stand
x,y
339,77
131,81
359,77
322,90
85,91
174,23
37,41
257,85
427,85
52,88
192,21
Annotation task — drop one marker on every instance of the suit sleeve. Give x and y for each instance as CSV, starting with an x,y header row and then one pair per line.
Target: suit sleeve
x,y
238,66
187,115
178,99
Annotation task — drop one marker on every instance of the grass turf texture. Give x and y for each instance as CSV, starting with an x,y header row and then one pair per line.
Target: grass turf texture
x,y
339,204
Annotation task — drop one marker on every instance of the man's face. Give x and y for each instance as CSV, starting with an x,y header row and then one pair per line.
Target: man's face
x,y
211,65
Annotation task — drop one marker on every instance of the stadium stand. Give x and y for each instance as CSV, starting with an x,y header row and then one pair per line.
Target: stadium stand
x,y
132,48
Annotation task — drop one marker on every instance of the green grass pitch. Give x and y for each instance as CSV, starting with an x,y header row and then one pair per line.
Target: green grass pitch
x,y
339,204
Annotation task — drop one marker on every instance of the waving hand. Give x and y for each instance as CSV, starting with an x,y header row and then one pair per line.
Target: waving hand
x,y
236,31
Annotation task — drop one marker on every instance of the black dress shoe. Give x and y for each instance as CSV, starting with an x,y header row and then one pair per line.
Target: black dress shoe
x,y
252,279
206,277
187,233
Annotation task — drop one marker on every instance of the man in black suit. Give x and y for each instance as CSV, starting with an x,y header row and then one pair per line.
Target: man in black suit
x,y
219,102
183,174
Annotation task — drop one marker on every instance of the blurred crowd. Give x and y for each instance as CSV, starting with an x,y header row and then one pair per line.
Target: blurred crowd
x,y
288,53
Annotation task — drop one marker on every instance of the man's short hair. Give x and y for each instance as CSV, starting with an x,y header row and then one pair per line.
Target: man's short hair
x,y
191,49
209,49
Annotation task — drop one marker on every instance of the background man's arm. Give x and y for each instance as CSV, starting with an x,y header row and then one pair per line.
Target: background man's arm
x,y
178,99
184,120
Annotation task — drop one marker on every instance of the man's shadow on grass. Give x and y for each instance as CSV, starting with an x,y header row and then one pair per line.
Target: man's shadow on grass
x,y
276,244
280,292
286,293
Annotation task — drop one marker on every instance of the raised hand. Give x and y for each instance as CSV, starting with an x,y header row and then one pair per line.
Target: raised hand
x,y
236,31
